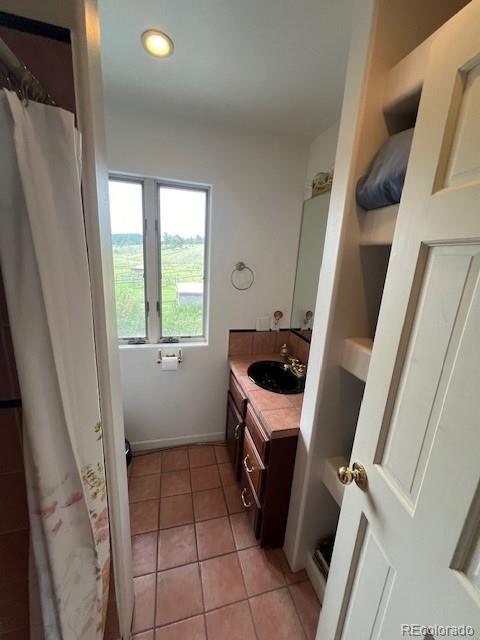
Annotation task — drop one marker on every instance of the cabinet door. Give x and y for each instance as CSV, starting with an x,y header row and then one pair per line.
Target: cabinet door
x,y
234,434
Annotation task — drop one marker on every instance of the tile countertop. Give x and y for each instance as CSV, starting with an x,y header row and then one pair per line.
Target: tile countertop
x,y
279,413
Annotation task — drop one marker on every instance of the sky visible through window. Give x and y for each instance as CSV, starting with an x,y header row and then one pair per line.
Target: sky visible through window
x,y
182,212
126,210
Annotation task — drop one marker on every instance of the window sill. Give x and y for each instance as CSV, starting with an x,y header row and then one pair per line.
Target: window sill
x,y
164,345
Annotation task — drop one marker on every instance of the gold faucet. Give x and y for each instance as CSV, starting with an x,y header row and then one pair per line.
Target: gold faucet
x,y
296,367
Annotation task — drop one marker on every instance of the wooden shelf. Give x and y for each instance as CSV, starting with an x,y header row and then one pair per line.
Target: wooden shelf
x,y
356,356
405,81
378,225
330,479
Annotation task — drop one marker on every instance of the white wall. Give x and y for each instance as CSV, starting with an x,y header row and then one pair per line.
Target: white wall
x,y
321,155
257,191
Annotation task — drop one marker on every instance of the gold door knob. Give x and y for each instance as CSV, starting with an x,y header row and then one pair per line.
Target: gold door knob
x,y
356,474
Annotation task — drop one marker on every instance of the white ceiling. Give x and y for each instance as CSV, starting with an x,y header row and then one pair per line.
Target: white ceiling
x,y
270,65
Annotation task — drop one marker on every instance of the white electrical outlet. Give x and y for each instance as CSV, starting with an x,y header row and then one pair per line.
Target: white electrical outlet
x,y
263,323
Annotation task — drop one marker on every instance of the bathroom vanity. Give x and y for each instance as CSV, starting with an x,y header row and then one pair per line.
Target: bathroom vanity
x,y
263,426
262,433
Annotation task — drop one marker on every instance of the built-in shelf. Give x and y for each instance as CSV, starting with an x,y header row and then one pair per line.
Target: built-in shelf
x,y
378,225
356,356
405,80
330,478
316,577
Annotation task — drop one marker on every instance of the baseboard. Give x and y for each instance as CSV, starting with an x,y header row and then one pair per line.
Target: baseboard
x,y
316,577
164,443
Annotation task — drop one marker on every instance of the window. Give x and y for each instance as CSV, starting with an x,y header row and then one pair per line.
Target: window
x,y
159,233
126,212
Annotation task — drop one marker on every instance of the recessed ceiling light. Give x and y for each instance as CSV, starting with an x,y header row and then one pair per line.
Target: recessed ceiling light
x,y
157,43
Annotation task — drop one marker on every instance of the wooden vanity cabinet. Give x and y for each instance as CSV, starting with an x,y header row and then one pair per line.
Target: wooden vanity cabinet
x,y
276,489
238,395
264,468
234,434
236,409
251,503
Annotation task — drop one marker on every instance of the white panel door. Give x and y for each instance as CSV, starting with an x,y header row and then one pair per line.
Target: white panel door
x,y
408,546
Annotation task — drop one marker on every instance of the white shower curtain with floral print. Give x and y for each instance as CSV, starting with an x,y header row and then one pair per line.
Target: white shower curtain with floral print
x,y
44,263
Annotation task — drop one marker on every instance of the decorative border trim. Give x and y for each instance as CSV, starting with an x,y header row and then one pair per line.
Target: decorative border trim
x,y
297,332
284,329
255,331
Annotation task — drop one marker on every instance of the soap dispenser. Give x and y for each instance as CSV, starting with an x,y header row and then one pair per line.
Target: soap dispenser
x,y
284,352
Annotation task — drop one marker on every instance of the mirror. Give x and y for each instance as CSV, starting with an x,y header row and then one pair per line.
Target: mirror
x,y
309,261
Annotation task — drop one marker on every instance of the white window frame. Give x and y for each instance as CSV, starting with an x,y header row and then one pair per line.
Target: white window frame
x,y
152,256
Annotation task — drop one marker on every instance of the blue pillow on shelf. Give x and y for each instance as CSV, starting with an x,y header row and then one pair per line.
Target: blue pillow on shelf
x,y
382,185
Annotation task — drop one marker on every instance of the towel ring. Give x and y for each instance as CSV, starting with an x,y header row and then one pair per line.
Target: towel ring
x,y
241,268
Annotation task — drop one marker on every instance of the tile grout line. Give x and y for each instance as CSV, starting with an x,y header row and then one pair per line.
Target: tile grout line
x,y
297,612
225,498
236,551
253,619
249,546
195,522
184,564
295,604
189,466
246,591
222,555
198,564
255,630
156,550
224,606
204,613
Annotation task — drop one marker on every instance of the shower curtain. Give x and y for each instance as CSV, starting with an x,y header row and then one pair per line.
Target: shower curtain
x,y
44,262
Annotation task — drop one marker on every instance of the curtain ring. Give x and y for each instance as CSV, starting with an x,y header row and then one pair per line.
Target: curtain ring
x,y
241,267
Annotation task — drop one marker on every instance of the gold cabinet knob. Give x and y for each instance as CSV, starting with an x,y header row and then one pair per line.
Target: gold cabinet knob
x,y
356,473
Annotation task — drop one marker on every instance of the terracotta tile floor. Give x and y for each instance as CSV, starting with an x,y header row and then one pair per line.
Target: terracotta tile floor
x,y
199,573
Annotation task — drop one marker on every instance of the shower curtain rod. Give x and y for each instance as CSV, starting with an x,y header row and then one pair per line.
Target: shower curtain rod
x,y
21,79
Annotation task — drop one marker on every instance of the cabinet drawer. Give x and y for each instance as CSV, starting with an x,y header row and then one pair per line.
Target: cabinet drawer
x,y
252,464
257,434
250,503
239,397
